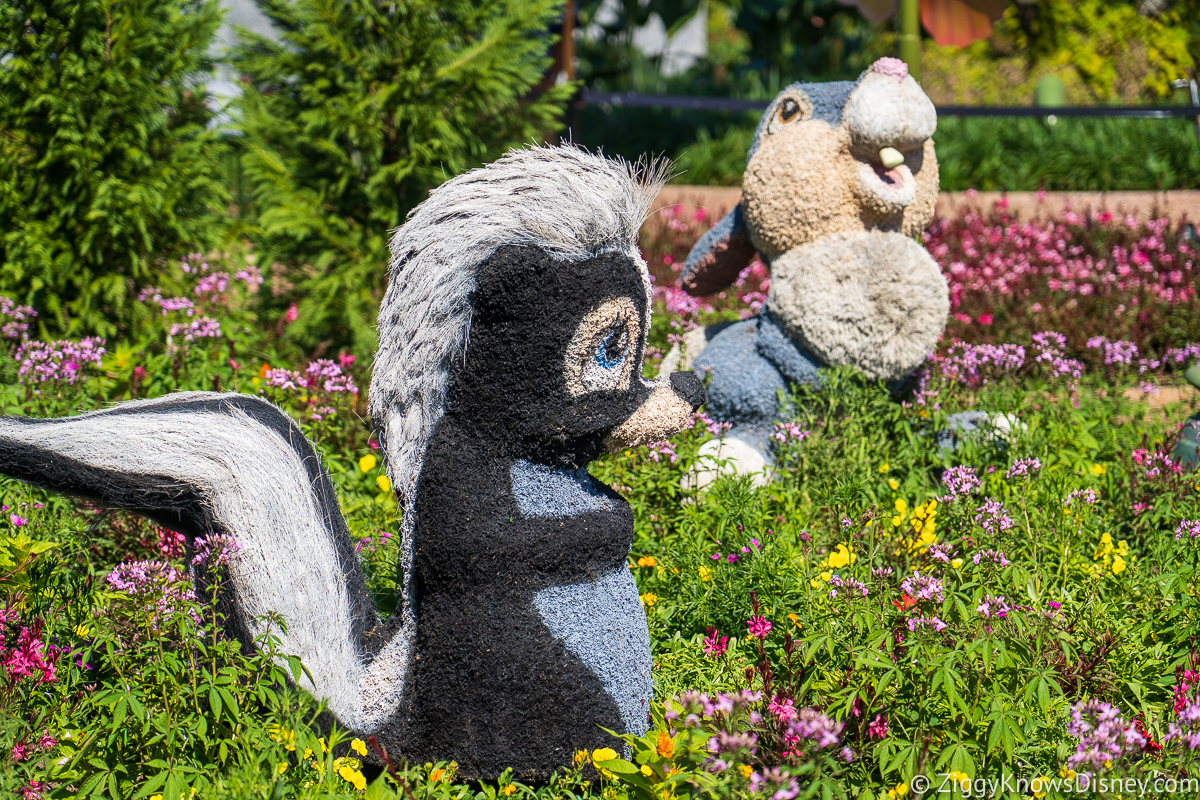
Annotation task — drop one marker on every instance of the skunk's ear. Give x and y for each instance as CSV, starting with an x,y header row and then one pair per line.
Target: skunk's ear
x,y
719,256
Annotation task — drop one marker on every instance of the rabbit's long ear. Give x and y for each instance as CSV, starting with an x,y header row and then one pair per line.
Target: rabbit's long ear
x,y
719,256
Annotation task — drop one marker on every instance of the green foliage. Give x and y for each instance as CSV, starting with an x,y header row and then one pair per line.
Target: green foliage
x,y
360,110
1013,154
106,165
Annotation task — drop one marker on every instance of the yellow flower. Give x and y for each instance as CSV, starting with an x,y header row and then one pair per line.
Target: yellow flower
x,y
1118,565
285,736
649,599
359,746
961,779
839,557
353,776
83,630
956,563
367,463
745,769
893,484
437,774
646,771
324,747
663,745
1106,538
896,521
705,574
901,506
884,468
795,620
581,756
1098,470
1069,774
901,788
508,790
282,768
383,483
1039,786
604,754
647,561
826,576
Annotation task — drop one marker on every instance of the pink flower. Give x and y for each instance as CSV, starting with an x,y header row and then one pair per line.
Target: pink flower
x,y
783,710
759,626
19,751
16,520
292,314
878,729
715,645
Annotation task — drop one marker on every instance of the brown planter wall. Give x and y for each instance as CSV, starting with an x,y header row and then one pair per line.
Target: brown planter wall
x,y
1142,205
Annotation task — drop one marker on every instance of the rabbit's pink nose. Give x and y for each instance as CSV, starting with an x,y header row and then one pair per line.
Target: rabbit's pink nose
x,y
892,67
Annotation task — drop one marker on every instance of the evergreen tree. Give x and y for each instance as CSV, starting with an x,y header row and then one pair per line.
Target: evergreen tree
x,y
359,110
106,165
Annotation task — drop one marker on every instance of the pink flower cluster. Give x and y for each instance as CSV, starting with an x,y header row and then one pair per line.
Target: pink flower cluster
x,y
62,360
974,364
28,656
323,373
788,432
997,255
996,557
715,645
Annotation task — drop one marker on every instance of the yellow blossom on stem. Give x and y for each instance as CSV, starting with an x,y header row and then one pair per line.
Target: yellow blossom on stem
x,y
705,574
649,599
367,462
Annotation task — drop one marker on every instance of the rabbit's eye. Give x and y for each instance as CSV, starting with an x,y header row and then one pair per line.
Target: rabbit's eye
x,y
789,109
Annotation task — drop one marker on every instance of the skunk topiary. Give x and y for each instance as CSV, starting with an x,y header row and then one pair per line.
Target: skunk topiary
x,y
511,336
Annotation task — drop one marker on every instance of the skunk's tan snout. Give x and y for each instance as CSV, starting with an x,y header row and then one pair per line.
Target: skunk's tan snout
x,y
665,410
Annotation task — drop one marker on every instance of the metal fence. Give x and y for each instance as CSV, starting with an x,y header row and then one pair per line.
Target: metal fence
x,y
635,100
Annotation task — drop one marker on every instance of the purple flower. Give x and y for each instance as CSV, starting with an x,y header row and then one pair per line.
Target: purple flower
x,y
1104,736
992,517
215,551
1189,528
940,552
960,481
932,623
1086,495
849,584
59,360
993,556
16,520
922,587
1022,468
778,784
994,607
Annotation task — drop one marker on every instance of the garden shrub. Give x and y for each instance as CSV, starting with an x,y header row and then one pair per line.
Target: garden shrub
x,y
106,161
356,113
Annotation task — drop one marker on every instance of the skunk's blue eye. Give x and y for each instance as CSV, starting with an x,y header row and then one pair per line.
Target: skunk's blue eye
x,y
611,351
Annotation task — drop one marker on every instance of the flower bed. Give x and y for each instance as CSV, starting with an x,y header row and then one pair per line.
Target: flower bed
x,y
1021,610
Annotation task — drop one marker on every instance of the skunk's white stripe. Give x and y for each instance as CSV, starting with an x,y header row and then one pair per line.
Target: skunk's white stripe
x,y
259,490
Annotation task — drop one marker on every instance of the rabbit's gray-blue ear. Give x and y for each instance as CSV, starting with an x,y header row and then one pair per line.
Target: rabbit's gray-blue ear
x,y
719,256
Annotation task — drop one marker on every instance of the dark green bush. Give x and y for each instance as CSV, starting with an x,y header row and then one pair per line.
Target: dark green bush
x,y
106,163
357,113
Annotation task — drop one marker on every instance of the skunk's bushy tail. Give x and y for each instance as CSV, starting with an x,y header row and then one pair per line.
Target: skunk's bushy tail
x,y
203,463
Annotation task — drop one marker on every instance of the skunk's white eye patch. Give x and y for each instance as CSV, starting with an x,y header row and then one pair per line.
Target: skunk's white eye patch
x,y
792,107
602,352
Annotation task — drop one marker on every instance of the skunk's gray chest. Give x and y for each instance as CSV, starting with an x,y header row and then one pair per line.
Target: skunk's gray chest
x,y
600,621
